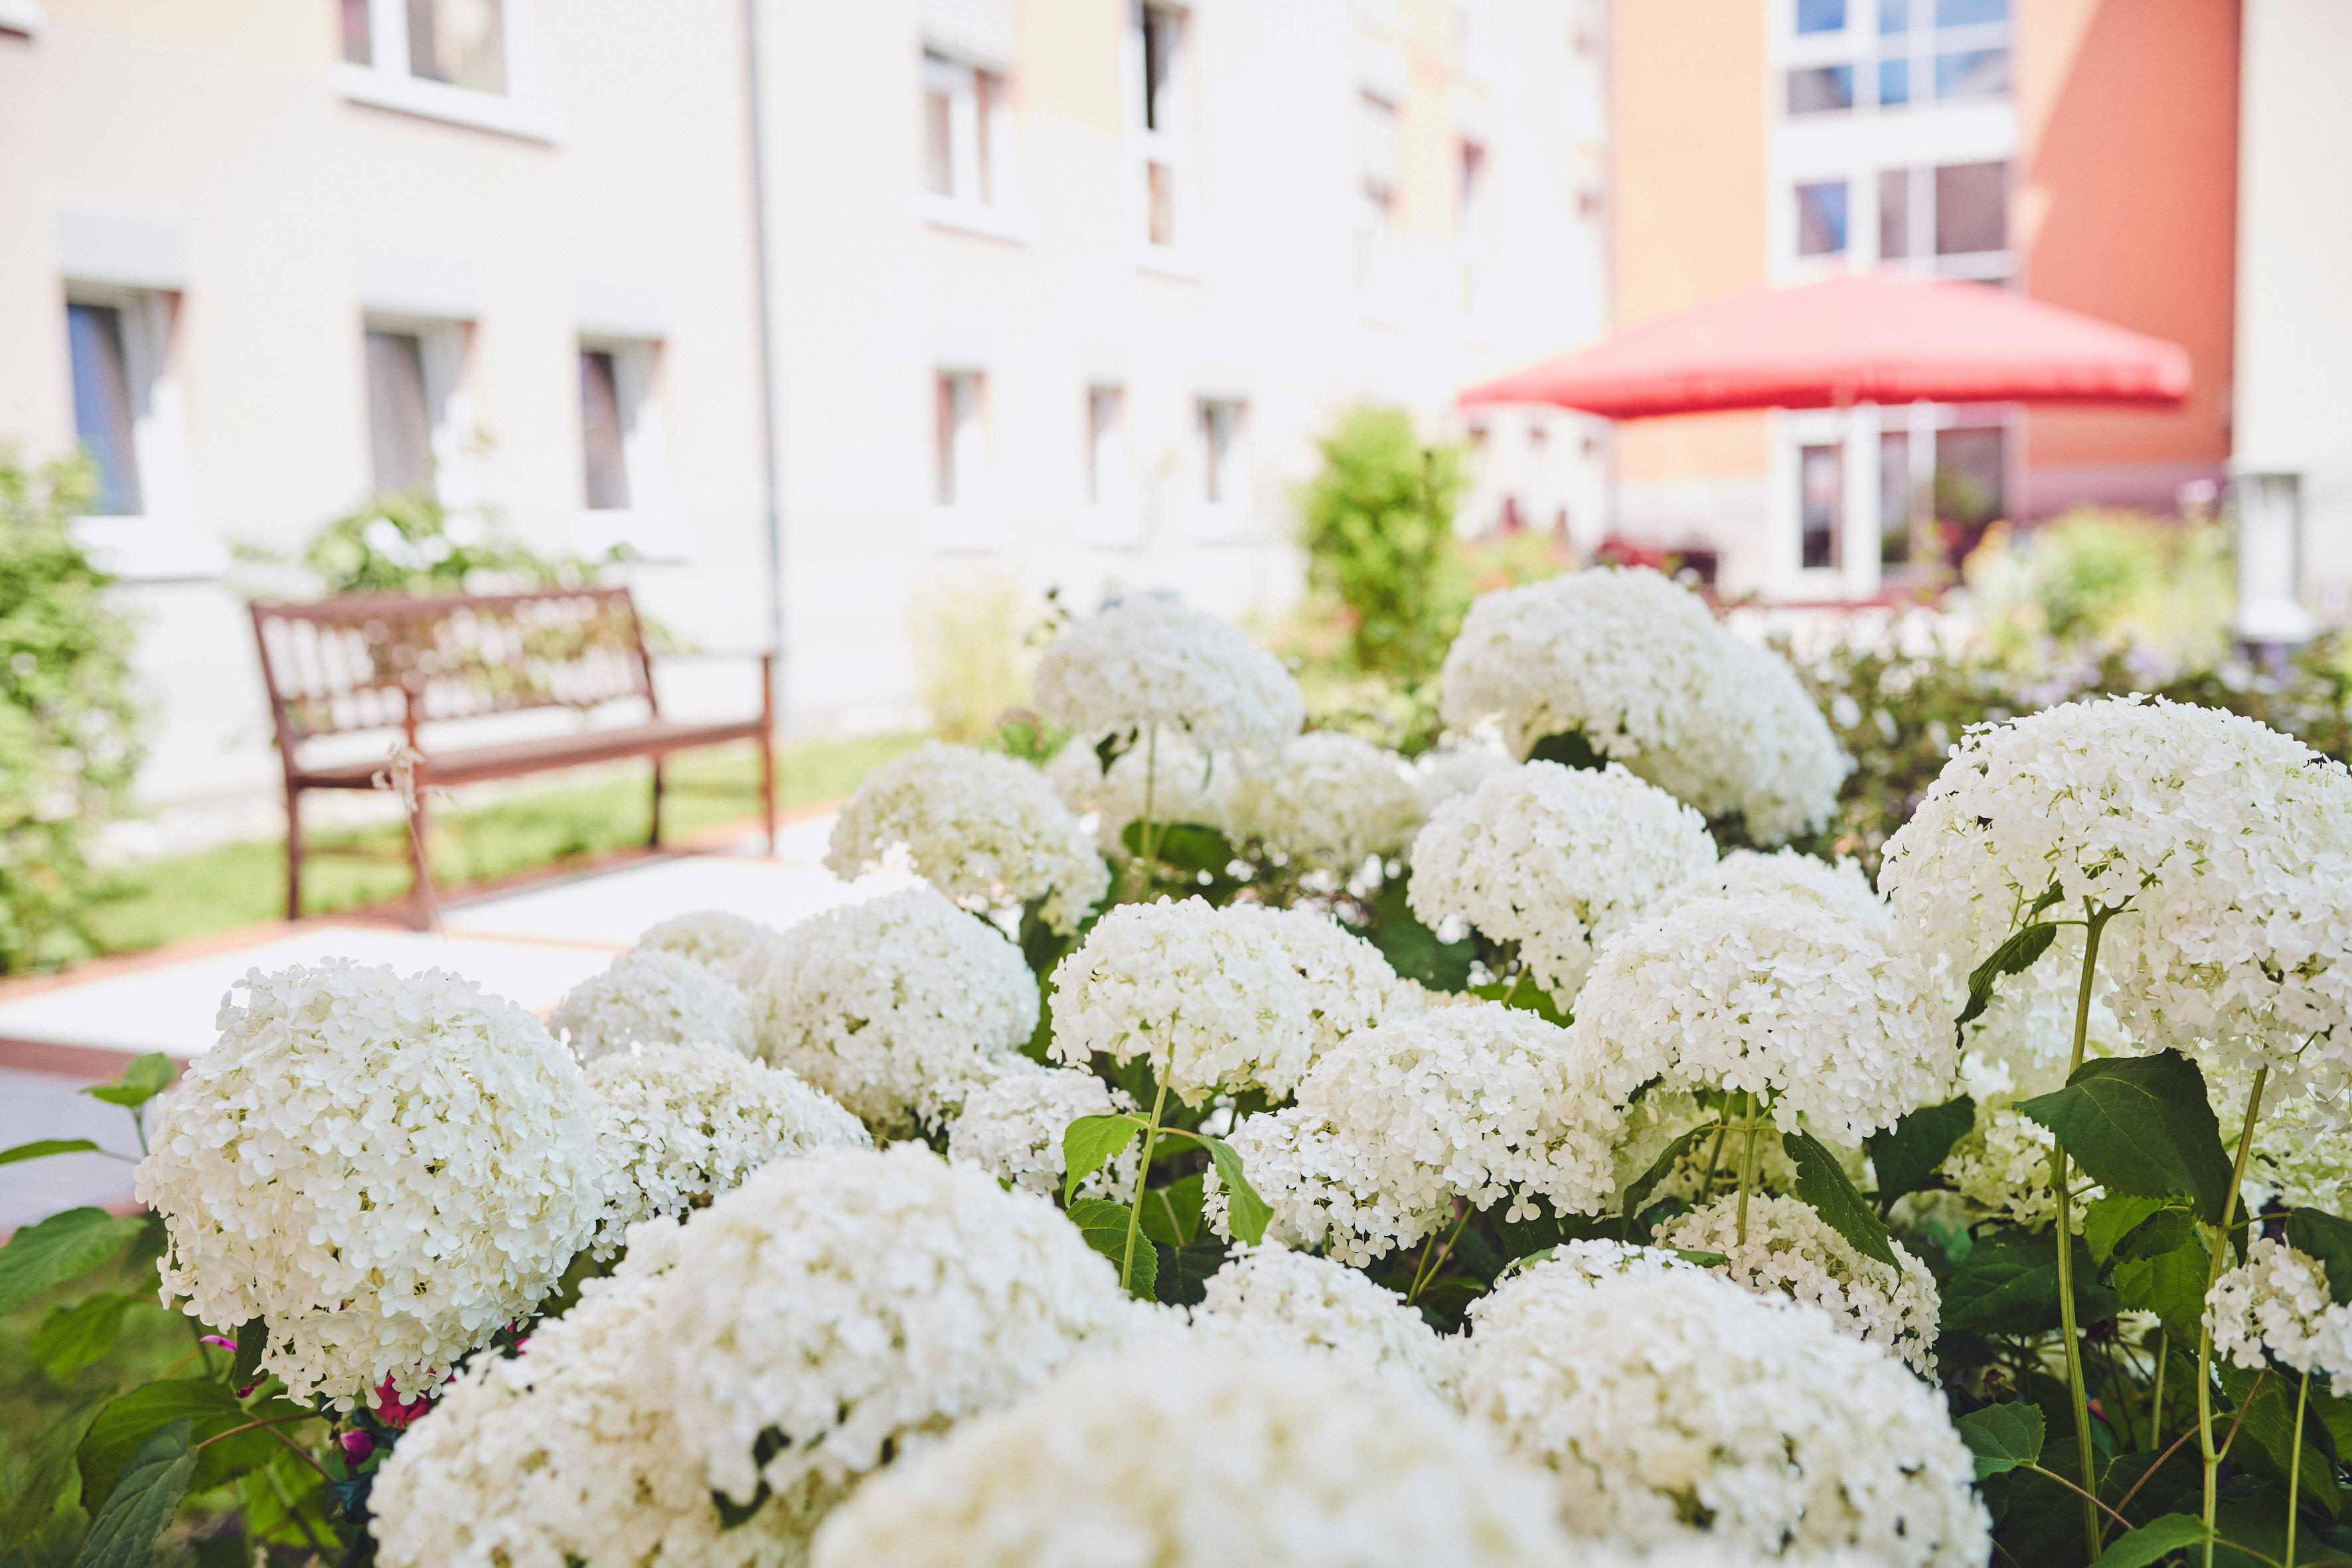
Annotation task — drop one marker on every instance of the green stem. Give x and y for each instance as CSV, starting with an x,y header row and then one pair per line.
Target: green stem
x,y
1142,1174
1138,874
2219,1242
1747,1168
2295,1467
2155,1405
1714,1161
2096,921
1429,1272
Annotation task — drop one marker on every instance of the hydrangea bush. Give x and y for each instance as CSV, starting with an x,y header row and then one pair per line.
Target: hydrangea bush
x,y
1249,1146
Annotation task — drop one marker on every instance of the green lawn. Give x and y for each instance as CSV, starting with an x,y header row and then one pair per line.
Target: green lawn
x,y
230,885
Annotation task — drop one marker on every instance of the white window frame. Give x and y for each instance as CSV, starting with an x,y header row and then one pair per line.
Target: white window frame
x,y
444,347
527,108
1231,516
163,539
643,524
969,519
1172,145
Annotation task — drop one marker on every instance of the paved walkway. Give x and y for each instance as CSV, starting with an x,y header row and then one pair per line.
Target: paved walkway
x,y
530,945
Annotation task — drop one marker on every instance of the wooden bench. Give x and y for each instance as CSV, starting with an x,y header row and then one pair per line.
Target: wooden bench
x,y
396,663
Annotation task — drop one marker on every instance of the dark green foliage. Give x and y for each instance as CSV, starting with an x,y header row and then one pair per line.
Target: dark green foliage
x,y
2142,1125
1380,536
69,718
1907,1155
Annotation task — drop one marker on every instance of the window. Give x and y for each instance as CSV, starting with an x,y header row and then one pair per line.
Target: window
x,y
959,448
963,107
1469,195
1223,470
106,408
603,432
1161,124
1105,446
1376,215
1895,497
1970,483
462,43
1893,83
1893,214
401,412
1820,503
1972,73
1970,12
1820,15
1971,208
1820,219
1816,89
1953,48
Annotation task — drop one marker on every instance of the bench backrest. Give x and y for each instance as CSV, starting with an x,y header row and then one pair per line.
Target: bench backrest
x,y
393,661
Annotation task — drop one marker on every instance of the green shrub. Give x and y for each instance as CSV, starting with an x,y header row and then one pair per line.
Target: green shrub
x,y
1379,537
409,542
69,723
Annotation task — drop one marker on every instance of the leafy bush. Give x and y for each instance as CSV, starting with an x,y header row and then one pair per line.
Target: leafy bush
x,y
68,721
408,542
1379,535
2094,574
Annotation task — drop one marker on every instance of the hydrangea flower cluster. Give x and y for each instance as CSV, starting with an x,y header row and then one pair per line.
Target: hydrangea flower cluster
x,y
1670,1401
730,946
1829,1017
1840,889
1555,859
553,1458
2303,1152
2278,1301
1349,984
985,829
899,1007
1478,1104
680,1124
1013,1129
1639,668
1455,769
2000,1169
1211,997
1149,664
1591,1262
1186,1457
1174,781
2227,840
1328,799
1792,1250
651,996
856,1302
1279,1303
387,1170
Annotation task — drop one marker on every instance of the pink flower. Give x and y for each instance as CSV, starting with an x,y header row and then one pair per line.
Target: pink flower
x,y
216,1340
393,1411
357,1446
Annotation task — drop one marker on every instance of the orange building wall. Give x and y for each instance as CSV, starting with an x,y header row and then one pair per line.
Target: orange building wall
x,y
2127,207
1686,85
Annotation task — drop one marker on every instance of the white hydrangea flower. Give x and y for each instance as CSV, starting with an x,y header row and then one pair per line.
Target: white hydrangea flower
x,y
1793,1251
1173,780
1704,1170
1557,859
1640,669
2024,1042
2231,843
1455,769
1591,1262
1832,1018
680,1124
1149,664
987,830
1211,996
2302,1152
553,1459
855,1303
730,946
2278,1300
898,1006
1840,889
1190,1457
1666,1398
387,1170
652,996
1481,1104
1329,798
2001,1170
1347,981
1276,1302
1013,1129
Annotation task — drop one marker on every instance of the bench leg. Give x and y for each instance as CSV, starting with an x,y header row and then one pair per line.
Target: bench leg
x,y
420,885
768,788
653,840
293,855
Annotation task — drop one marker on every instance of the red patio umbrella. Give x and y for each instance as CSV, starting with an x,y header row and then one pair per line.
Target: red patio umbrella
x,y
1856,338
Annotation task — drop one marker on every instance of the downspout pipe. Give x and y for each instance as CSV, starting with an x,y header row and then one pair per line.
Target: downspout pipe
x,y
771,478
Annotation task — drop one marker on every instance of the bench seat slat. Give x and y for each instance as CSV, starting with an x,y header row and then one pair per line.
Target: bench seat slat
x,y
657,737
